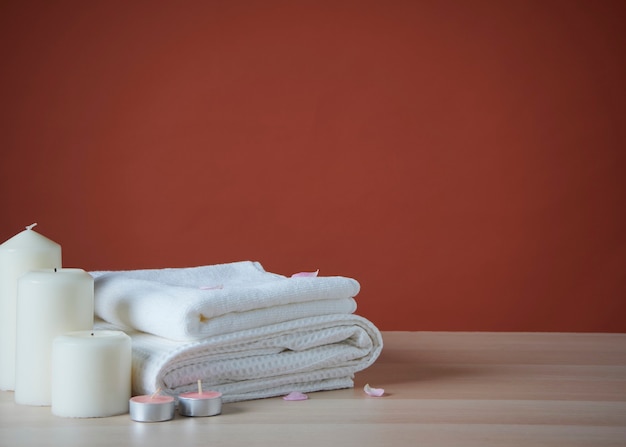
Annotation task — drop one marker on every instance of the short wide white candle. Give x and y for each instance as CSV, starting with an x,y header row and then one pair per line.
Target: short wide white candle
x,y
25,251
49,303
91,374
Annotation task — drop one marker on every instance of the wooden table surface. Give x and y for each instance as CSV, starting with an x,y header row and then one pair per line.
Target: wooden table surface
x,y
442,389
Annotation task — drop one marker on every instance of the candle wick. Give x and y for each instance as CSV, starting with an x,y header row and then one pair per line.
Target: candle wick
x,y
199,386
55,269
155,393
92,334
30,227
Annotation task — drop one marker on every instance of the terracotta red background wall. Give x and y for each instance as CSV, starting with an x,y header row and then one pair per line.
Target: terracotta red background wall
x,y
464,160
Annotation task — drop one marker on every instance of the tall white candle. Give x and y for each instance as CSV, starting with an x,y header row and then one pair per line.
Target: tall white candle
x,y
49,303
23,252
91,374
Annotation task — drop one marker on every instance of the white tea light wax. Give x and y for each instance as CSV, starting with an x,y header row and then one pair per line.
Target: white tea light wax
x,y
49,303
25,251
91,374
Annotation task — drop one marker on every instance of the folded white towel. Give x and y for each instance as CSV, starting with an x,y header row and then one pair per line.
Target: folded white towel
x,y
306,355
198,302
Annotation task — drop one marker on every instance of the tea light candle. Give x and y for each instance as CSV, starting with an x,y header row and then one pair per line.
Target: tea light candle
x,y
151,408
25,251
91,374
49,303
202,403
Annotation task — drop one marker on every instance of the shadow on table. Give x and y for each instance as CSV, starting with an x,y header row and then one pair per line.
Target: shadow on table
x,y
395,368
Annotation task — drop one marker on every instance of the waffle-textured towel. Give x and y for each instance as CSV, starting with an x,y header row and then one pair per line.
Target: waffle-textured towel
x,y
197,302
306,355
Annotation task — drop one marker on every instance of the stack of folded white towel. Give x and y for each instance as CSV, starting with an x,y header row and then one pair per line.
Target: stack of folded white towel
x,y
239,329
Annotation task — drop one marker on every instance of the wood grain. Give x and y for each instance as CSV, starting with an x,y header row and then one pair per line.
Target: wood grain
x,y
442,389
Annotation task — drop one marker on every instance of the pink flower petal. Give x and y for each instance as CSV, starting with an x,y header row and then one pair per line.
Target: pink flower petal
x,y
295,395
374,392
219,286
306,274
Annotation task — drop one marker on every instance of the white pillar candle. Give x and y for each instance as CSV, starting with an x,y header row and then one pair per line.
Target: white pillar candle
x,y
23,252
91,374
49,303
